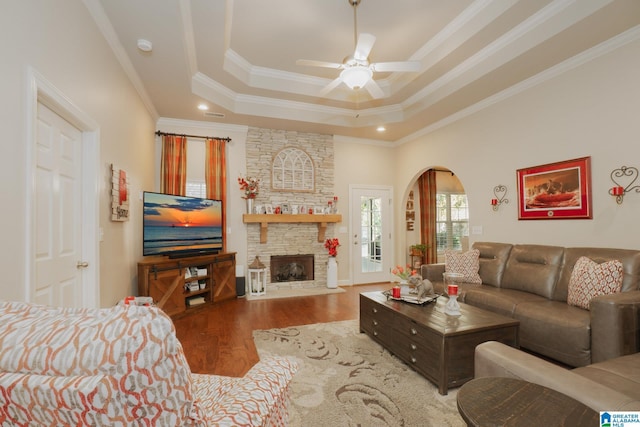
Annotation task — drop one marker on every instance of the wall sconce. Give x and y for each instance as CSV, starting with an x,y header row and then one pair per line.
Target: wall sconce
x,y
500,191
631,175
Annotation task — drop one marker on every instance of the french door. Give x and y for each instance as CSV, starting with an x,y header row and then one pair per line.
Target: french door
x,y
371,223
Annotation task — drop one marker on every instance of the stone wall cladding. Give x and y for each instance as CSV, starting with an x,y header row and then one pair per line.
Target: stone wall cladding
x,y
290,239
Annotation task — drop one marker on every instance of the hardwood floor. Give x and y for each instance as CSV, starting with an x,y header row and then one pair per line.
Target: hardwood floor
x,y
218,339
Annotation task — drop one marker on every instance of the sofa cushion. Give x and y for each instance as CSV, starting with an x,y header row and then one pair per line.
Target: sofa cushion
x,y
556,330
590,279
497,300
465,263
493,259
534,269
258,398
621,374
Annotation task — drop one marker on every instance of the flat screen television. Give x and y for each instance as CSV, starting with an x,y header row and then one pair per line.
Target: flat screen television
x,y
181,226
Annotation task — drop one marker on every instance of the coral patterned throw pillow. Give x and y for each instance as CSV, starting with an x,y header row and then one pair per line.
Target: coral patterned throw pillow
x,y
467,263
590,279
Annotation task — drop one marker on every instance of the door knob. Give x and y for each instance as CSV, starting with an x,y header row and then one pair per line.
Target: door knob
x,y
82,264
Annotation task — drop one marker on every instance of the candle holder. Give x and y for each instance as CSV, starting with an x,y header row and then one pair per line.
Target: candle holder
x,y
499,191
628,174
451,284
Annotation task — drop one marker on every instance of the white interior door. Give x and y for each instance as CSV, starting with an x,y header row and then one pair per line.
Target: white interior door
x,y
58,255
372,251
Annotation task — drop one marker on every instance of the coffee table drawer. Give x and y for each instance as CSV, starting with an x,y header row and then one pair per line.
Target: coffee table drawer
x,y
418,346
376,320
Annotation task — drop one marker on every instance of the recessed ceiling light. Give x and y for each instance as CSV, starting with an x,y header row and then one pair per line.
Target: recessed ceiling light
x,y
203,107
381,128
145,45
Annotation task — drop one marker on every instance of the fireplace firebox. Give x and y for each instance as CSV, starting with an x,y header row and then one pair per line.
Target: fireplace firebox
x,y
291,268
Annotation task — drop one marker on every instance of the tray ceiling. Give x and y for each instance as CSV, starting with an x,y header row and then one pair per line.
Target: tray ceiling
x,y
239,56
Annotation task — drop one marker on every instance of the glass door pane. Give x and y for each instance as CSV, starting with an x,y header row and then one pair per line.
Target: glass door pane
x,y
371,248
371,234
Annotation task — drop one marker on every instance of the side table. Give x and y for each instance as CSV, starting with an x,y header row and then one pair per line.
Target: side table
x,y
495,401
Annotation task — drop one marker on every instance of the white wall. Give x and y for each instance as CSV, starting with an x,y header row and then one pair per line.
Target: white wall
x,y
60,40
359,162
591,110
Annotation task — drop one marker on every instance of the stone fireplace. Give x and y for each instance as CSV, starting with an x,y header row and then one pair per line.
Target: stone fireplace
x,y
290,239
292,268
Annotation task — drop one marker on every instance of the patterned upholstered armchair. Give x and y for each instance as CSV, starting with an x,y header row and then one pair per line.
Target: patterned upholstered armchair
x,y
122,366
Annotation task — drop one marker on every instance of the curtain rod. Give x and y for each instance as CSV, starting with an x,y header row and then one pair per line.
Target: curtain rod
x,y
158,133
442,170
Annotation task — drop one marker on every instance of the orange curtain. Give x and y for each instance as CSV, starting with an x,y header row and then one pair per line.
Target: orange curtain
x,y
427,188
215,175
173,167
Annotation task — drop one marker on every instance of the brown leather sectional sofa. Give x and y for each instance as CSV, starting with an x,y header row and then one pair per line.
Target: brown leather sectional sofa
x,y
530,283
612,385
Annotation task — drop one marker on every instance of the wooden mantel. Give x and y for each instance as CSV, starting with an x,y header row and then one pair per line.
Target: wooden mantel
x,y
264,219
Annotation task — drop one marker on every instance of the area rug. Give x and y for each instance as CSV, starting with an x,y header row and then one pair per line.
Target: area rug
x,y
346,379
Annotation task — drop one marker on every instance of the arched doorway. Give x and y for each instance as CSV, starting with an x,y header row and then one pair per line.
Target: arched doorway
x,y
441,214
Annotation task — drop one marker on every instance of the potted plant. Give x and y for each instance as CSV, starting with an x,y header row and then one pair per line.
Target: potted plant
x,y
418,249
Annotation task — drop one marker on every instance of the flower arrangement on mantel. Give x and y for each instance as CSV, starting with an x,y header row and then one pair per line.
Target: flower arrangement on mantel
x,y
404,273
250,186
332,246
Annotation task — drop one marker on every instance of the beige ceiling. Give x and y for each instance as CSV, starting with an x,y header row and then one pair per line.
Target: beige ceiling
x,y
239,56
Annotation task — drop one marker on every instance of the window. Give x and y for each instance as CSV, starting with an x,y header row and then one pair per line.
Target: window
x,y
196,189
452,221
196,186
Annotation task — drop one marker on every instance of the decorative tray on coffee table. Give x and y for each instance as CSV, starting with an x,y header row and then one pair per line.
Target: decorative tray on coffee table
x,y
412,299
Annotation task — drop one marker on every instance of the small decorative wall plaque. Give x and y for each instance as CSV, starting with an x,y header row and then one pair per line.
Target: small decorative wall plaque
x,y
119,195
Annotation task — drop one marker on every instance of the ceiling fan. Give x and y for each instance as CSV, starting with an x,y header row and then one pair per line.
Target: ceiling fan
x,y
357,71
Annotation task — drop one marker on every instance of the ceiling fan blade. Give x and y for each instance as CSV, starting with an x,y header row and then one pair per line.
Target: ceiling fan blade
x,y
331,86
397,66
312,63
374,89
364,46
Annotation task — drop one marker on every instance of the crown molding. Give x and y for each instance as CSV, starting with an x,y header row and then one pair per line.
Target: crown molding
x,y
188,36
196,126
631,35
521,38
338,139
210,89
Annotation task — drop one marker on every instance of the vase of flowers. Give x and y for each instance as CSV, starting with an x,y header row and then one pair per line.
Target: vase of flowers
x,y
332,246
251,187
404,273
332,265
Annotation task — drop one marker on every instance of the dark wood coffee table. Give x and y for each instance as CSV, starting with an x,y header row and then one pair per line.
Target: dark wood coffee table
x,y
512,402
438,346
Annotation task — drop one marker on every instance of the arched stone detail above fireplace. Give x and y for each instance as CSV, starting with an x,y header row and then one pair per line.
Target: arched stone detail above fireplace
x,y
292,169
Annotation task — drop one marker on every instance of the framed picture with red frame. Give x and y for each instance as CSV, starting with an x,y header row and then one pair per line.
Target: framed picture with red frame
x,y
559,190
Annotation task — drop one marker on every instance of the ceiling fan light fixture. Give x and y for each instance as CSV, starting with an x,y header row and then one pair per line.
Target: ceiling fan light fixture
x,y
356,77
